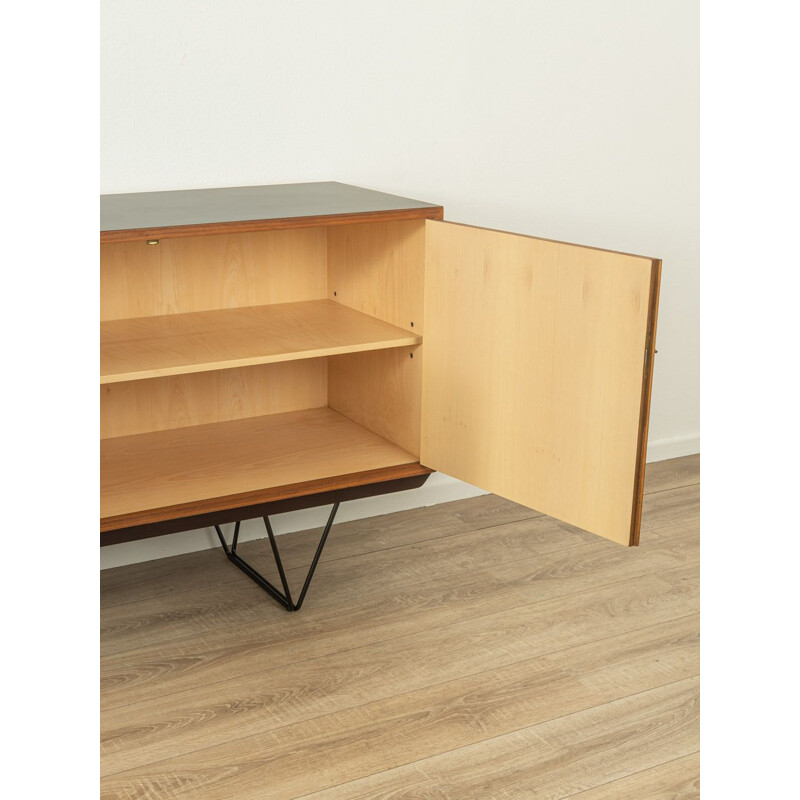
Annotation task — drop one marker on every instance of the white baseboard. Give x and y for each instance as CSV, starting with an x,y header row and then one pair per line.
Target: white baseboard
x,y
674,447
437,489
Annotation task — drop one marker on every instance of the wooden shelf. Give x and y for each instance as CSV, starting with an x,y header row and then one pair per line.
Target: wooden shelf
x,y
175,344
152,477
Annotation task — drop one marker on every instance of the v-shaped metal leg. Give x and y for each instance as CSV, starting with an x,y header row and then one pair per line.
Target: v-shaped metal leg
x,y
283,597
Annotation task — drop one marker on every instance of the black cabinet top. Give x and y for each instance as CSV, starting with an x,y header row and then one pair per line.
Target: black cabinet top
x,y
126,217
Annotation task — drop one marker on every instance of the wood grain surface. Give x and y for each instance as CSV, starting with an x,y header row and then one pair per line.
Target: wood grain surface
x,y
202,273
194,469
379,270
475,649
180,401
202,341
533,372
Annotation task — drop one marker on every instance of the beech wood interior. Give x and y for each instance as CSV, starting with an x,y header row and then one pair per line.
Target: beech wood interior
x,y
205,339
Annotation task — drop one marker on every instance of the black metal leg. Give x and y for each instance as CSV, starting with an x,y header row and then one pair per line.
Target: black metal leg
x,y
314,563
283,597
286,593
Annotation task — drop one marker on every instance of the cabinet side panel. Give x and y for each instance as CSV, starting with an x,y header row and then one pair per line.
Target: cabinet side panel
x,y
180,401
202,273
533,371
381,391
378,269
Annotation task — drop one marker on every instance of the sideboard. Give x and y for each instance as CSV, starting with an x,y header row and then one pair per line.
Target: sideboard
x,y
269,348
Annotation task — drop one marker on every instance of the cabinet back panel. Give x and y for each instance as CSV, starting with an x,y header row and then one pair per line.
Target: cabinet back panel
x,y
378,269
179,401
201,273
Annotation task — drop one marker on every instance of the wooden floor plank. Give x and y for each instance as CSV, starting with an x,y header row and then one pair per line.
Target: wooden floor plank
x,y
246,705
670,507
675,780
550,760
206,608
407,727
581,567
188,661
148,672
474,649
672,474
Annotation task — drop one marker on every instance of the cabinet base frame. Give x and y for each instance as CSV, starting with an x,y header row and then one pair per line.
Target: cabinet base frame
x,y
239,511
284,597
263,510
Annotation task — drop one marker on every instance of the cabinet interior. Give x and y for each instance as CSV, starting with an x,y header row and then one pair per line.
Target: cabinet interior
x,y
235,362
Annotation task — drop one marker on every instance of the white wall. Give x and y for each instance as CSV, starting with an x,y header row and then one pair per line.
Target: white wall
x,y
569,119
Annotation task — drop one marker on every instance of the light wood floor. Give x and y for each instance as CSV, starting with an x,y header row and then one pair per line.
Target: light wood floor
x,y
473,650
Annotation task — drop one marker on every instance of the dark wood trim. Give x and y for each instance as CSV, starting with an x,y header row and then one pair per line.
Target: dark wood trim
x,y
644,414
250,225
260,497
250,512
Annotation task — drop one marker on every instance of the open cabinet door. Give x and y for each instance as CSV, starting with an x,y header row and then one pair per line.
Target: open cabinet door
x,y
537,369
